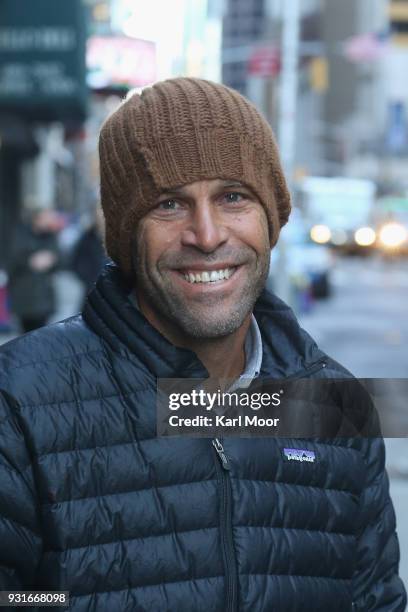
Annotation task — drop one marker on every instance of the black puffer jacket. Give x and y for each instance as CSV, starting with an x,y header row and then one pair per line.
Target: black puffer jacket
x,y
92,502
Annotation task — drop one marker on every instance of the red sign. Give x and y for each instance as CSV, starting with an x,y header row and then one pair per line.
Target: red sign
x,y
120,60
264,62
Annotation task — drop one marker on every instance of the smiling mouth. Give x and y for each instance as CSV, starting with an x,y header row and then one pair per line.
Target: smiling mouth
x,y
208,276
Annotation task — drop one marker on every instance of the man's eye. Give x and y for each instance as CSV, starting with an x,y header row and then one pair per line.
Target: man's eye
x,y
168,205
233,196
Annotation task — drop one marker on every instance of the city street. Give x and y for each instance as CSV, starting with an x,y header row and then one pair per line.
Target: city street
x,y
365,327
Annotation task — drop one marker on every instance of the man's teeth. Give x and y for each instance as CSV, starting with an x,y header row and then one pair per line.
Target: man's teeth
x,y
208,277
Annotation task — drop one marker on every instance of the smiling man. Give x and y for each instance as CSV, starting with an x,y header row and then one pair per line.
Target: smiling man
x,y
91,500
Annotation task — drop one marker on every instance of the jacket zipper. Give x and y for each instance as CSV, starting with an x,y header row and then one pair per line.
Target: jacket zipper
x,y
223,468
231,578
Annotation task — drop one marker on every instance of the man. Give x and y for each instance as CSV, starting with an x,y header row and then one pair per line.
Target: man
x,y
91,500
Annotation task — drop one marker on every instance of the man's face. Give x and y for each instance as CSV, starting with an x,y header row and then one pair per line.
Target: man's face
x,y
202,258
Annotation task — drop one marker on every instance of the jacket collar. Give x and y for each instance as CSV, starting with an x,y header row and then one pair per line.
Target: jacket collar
x,y
287,349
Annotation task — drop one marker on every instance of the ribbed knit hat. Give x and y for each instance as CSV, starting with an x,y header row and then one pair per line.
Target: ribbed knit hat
x,y
174,133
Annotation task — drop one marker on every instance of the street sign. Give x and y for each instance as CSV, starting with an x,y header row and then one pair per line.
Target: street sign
x,y
42,58
264,62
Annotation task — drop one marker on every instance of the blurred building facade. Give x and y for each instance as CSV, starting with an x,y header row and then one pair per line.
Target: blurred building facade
x,y
43,97
351,99
243,27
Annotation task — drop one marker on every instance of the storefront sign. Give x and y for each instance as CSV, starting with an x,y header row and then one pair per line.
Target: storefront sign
x,y
42,58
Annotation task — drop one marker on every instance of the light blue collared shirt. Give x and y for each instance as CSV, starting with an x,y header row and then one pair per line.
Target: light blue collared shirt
x,y
253,357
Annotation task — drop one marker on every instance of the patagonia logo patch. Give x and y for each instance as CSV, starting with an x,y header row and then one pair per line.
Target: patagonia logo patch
x,y
299,454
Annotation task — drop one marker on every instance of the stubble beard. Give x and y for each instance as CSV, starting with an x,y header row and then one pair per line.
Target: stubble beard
x,y
202,319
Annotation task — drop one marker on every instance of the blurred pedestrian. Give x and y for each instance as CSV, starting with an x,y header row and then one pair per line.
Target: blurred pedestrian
x,y
89,255
33,259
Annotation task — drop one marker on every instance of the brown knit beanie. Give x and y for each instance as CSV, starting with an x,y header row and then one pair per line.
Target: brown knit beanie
x,y
176,132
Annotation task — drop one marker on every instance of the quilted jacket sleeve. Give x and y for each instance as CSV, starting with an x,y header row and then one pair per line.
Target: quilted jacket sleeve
x,y
20,539
376,585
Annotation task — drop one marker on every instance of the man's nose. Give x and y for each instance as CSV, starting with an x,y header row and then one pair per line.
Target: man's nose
x,y
205,229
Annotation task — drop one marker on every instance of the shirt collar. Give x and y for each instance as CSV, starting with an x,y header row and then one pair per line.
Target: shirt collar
x,y
253,354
